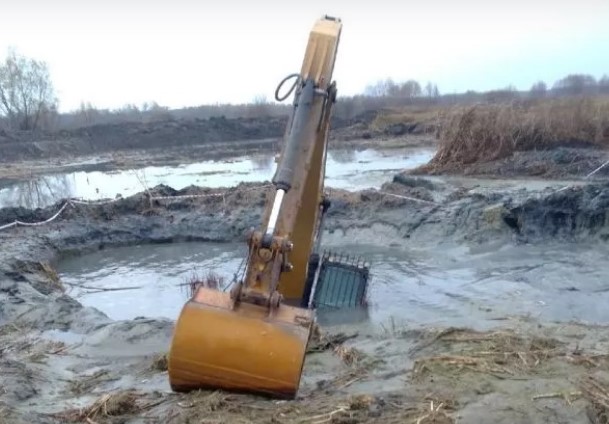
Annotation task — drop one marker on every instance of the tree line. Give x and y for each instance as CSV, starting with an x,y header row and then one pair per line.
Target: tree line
x,y
28,101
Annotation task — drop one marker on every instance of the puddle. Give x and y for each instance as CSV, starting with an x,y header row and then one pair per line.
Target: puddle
x,y
150,278
66,337
350,170
409,287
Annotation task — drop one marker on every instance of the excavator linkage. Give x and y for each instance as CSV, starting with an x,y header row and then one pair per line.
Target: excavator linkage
x,y
254,338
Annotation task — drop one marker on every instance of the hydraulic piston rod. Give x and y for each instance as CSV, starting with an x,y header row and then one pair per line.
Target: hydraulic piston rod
x,y
274,213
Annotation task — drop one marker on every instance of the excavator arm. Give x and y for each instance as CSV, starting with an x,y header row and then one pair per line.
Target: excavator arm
x,y
254,337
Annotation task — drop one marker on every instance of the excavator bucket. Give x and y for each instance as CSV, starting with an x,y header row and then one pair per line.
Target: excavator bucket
x,y
240,349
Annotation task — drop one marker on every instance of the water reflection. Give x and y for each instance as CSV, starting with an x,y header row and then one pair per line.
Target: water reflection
x,y
37,193
413,287
343,156
350,170
264,163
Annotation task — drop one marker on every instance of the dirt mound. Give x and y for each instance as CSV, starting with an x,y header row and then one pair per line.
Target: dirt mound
x,y
134,135
235,133
576,212
559,162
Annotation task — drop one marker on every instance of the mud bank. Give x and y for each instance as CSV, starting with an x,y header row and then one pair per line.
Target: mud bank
x,y
216,137
62,362
559,162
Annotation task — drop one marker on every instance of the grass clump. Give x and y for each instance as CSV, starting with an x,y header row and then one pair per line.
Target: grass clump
x,y
597,393
160,363
211,280
483,133
426,116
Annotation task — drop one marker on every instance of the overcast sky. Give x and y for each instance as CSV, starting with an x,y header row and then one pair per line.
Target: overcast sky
x,y
191,52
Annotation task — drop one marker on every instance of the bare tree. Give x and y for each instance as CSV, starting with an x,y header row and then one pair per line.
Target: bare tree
x,y
381,88
26,91
539,89
431,90
506,94
389,88
410,89
259,107
603,84
436,91
575,84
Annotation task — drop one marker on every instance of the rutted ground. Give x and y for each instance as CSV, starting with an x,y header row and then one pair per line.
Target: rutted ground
x,y
62,362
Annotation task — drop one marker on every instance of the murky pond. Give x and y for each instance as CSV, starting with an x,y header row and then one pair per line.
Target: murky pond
x,y
413,287
346,169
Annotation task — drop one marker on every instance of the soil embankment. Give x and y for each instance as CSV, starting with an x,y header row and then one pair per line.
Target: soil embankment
x,y
135,145
62,362
237,134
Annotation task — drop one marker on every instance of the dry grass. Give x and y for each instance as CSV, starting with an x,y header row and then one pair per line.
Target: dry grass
x,y
484,133
160,363
436,413
427,116
109,408
86,384
52,275
41,268
496,353
349,355
206,402
597,394
211,281
321,341
318,408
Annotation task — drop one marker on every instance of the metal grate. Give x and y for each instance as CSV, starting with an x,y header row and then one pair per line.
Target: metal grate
x,y
342,283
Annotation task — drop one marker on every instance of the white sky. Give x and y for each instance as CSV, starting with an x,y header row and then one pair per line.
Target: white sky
x,y
188,52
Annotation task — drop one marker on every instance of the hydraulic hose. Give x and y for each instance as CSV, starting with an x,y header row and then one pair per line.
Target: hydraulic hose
x,y
297,78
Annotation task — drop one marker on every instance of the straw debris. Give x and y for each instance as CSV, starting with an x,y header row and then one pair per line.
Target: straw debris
x,y
597,393
497,353
321,342
436,413
86,384
210,281
205,402
349,355
160,363
108,408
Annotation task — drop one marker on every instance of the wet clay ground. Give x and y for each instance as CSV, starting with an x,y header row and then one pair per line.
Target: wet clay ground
x,y
62,362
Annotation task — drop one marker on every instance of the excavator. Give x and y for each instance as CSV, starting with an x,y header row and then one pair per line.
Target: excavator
x,y
253,337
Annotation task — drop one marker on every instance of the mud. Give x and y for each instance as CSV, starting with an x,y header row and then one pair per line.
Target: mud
x,y
63,362
128,136
167,142
559,162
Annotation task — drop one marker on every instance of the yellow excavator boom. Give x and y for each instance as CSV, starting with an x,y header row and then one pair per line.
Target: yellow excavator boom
x,y
254,338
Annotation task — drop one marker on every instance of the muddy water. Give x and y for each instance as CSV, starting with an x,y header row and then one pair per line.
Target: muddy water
x,y
151,279
351,170
461,287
